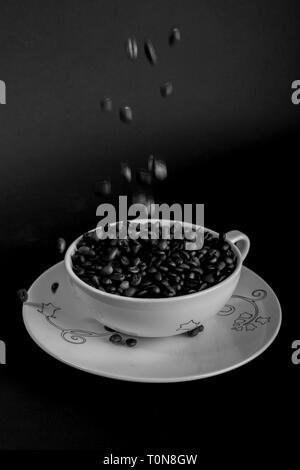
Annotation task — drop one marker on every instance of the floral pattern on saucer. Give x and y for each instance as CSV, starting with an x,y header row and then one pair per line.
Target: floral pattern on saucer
x,y
247,321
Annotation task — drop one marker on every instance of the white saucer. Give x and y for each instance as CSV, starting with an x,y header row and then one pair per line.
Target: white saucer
x,y
60,324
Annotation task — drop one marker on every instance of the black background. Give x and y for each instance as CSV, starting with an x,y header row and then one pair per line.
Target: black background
x,y
229,134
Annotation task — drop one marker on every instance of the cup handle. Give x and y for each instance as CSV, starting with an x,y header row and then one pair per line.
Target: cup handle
x,y
242,241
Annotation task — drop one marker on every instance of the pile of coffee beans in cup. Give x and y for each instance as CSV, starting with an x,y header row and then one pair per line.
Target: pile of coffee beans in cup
x,y
153,267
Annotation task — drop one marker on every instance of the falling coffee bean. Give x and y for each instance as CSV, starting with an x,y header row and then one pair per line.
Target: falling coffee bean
x,y
150,52
103,188
166,89
106,105
131,48
61,245
131,342
22,295
174,36
126,172
54,287
160,170
145,199
125,113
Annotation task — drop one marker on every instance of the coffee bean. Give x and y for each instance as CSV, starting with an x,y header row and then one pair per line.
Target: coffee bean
x,y
195,331
117,277
116,268
23,295
108,269
86,251
136,261
160,170
152,270
150,52
126,172
103,188
209,278
131,342
131,48
124,285
156,290
203,286
221,265
166,89
191,291
136,280
54,287
133,269
112,254
171,264
168,287
161,254
130,292
115,338
78,271
225,247
111,289
214,253
95,281
106,281
142,293
194,263
163,268
136,248
184,266
229,260
142,267
106,105
174,36
125,261
61,245
126,114
162,245
158,276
